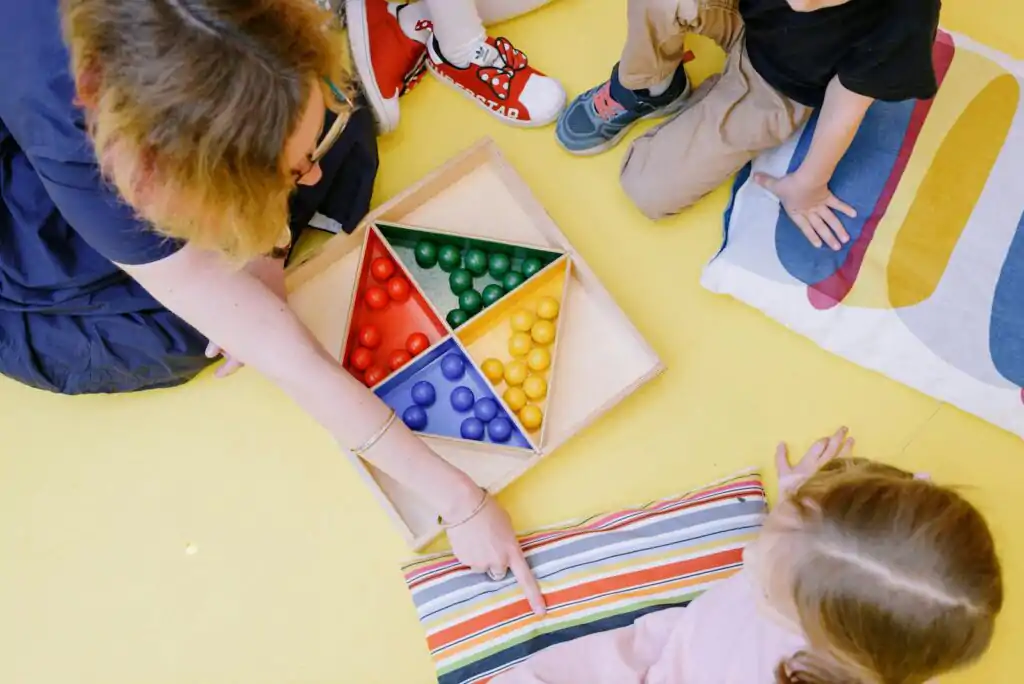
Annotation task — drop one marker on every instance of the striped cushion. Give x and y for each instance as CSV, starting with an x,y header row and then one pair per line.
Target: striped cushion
x,y
597,574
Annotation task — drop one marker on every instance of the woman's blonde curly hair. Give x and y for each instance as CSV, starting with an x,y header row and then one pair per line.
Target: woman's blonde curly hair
x,y
190,103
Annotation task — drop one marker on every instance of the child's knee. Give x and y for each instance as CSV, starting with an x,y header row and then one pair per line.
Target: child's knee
x,y
656,190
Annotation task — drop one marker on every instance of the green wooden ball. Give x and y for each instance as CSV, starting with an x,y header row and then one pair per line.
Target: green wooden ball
x,y
449,258
460,280
492,293
531,266
456,317
471,301
476,262
426,254
512,280
498,265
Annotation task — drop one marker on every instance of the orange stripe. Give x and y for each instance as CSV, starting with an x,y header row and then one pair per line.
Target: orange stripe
x,y
733,490
497,634
520,609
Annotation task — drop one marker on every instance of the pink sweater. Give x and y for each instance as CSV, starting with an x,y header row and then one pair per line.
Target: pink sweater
x,y
722,637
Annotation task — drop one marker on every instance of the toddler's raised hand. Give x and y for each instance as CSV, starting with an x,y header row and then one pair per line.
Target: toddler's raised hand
x,y
839,445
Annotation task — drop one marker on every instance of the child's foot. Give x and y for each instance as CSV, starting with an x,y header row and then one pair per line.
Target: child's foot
x,y
389,50
500,79
596,120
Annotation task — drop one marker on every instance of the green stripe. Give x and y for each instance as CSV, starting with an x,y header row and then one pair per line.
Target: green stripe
x,y
593,617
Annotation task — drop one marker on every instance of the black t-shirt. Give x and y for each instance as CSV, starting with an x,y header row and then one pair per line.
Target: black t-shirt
x,y
879,48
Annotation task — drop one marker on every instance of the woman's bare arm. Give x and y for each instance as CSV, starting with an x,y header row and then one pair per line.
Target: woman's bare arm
x,y
234,309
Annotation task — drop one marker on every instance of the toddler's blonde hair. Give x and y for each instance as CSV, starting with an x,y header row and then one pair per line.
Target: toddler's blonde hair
x,y
895,579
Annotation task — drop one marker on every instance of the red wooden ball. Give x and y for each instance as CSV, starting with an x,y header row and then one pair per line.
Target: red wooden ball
x,y
417,343
361,358
398,289
373,375
398,358
382,268
370,336
376,298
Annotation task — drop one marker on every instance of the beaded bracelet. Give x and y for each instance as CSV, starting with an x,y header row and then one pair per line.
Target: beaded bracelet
x,y
368,444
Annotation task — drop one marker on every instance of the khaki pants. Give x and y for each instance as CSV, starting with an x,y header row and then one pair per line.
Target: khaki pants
x,y
728,121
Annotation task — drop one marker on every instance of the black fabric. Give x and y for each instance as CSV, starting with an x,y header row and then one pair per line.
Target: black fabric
x,y
879,48
349,170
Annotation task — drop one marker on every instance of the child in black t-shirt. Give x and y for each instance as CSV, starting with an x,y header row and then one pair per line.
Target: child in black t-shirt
x,y
785,58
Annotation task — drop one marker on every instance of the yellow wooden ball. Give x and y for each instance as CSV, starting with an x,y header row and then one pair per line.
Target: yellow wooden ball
x,y
516,372
520,344
516,398
531,417
522,320
543,332
539,359
494,370
535,387
547,308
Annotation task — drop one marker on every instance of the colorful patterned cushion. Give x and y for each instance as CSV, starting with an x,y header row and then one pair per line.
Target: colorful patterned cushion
x,y
929,289
596,574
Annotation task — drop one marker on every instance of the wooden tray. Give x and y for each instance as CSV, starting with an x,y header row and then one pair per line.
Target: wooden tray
x,y
594,330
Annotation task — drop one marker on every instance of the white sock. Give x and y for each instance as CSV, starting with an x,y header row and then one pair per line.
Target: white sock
x,y
410,17
660,87
462,55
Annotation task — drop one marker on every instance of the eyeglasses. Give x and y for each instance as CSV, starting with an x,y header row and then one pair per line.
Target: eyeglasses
x,y
328,138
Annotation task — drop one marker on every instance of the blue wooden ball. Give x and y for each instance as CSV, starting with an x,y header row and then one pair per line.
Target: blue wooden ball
x,y
486,409
500,429
423,393
462,399
472,428
453,366
415,417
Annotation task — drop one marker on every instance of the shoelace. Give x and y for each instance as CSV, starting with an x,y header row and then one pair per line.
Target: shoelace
x,y
414,75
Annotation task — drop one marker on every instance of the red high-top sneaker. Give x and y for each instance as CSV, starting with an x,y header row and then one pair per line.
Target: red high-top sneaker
x,y
389,50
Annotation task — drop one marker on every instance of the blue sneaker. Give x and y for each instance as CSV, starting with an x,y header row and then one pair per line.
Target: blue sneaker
x,y
598,119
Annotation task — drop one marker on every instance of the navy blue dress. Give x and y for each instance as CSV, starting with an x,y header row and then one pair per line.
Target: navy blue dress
x,y
70,320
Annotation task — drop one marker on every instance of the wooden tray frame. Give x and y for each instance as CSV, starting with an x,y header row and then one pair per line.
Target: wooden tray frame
x,y
440,208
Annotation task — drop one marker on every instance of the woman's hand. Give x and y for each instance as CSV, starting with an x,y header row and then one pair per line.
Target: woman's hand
x,y
270,272
486,543
812,207
839,445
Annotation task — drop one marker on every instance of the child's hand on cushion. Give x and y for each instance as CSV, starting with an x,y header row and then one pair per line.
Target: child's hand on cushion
x,y
839,445
812,208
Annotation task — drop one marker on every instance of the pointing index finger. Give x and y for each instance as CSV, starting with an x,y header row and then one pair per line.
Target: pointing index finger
x,y
527,582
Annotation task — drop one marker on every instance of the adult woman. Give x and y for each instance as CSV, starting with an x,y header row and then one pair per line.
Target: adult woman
x,y
204,115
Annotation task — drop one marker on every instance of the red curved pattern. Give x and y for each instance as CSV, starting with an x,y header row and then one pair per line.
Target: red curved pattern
x,y
833,290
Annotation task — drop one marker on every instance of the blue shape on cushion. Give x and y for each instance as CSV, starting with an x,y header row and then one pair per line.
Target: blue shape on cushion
x,y
1006,329
741,179
859,180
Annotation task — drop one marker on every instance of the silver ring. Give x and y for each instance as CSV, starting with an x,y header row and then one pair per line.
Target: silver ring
x,y
497,577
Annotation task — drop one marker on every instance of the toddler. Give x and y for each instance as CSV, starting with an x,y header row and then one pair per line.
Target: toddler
x,y
392,44
784,59
862,574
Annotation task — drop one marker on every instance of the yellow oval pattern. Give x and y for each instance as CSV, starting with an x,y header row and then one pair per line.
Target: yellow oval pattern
x,y
949,192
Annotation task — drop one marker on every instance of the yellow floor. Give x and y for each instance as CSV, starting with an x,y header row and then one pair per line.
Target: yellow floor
x,y
213,534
